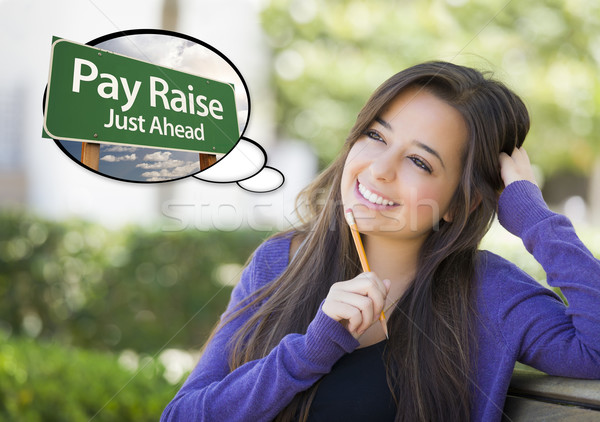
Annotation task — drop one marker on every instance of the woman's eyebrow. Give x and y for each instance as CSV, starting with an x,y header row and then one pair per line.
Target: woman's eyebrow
x,y
429,150
414,142
383,123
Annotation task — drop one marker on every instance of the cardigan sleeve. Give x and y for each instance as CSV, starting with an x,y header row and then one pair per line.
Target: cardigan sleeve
x,y
260,389
544,332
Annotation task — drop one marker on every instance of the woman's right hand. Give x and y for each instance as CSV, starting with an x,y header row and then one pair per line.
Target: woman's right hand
x,y
357,303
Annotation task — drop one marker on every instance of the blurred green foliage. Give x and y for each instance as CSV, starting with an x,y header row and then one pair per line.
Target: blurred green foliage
x,y
330,56
83,285
47,382
132,292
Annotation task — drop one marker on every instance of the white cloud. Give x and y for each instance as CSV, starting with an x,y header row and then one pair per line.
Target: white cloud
x,y
165,174
113,159
153,48
158,156
160,164
118,148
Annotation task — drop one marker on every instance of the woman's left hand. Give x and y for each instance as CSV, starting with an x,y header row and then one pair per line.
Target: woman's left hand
x,y
516,167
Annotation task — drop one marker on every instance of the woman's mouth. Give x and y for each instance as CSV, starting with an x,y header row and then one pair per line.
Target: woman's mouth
x,y
373,200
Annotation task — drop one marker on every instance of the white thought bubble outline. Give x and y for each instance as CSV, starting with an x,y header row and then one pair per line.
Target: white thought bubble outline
x,y
244,164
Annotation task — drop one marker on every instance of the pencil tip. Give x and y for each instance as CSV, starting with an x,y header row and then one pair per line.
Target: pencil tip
x,y
385,330
350,217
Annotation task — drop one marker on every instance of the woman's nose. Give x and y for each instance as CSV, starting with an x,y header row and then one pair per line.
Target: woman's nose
x,y
384,167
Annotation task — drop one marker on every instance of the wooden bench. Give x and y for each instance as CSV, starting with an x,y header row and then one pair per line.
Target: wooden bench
x,y
535,396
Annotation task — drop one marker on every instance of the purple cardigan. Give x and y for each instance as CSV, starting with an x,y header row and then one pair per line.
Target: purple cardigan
x,y
518,320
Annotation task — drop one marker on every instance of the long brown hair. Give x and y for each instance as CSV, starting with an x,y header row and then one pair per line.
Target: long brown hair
x,y
430,355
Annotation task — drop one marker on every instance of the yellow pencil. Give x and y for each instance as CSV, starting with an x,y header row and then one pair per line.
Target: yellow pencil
x,y
363,258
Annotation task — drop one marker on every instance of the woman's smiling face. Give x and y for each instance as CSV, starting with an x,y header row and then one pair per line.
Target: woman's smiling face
x,y
400,175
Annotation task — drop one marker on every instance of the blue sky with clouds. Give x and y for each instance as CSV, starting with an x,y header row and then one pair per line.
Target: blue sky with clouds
x,y
140,164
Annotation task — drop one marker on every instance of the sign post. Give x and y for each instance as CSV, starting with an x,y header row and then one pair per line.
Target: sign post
x,y
207,160
90,155
99,97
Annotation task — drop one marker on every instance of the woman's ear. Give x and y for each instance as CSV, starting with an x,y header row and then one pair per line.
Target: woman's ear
x,y
448,217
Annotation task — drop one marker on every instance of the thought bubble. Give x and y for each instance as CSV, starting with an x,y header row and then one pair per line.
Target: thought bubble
x,y
245,164
244,161
150,125
267,180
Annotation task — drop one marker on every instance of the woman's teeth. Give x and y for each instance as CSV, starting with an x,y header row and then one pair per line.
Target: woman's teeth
x,y
372,197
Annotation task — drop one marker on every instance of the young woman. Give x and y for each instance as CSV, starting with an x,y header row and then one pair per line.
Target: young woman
x,y
434,153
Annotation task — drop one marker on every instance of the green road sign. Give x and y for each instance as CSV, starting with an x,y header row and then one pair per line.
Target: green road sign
x,y
98,96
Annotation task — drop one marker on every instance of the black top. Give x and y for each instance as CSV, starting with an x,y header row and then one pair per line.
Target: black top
x,y
356,389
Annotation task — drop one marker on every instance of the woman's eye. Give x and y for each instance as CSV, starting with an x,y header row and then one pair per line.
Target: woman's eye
x,y
374,135
420,163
